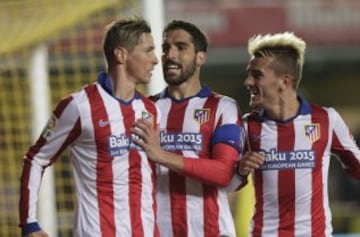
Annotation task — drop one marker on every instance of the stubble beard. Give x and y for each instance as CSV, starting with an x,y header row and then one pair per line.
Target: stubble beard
x,y
183,77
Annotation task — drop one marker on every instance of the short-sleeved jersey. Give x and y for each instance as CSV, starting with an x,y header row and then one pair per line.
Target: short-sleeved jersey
x,y
291,187
188,207
115,182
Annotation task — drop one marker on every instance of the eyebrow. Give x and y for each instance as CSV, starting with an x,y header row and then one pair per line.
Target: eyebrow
x,y
177,43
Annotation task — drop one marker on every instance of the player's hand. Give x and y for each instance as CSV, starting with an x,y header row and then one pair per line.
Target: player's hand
x,y
39,233
148,138
249,162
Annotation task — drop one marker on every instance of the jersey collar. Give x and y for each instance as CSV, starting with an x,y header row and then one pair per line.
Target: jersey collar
x,y
304,109
104,81
204,92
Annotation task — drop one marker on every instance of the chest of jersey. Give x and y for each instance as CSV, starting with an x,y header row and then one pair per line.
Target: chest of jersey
x,y
186,126
296,145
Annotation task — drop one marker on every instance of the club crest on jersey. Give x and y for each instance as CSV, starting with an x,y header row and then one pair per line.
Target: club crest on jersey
x,y
201,115
147,116
312,131
49,128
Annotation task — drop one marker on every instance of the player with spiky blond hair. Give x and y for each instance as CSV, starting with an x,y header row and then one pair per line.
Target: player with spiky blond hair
x,y
258,45
290,143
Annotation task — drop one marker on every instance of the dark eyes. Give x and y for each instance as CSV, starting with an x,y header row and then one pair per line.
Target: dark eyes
x,y
255,73
178,46
165,48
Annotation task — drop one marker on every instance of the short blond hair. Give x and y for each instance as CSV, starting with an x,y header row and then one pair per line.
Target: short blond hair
x,y
286,48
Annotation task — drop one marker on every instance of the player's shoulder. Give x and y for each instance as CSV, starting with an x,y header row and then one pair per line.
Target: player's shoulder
x,y
320,111
223,98
316,108
83,93
146,100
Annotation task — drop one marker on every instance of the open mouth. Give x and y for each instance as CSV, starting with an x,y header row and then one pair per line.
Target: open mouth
x,y
171,67
253,92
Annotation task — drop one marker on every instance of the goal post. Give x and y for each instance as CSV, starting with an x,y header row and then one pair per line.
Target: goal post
x,y
40,107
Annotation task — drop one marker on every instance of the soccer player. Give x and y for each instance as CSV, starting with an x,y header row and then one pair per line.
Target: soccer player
x,y
115,182
199,134
290,143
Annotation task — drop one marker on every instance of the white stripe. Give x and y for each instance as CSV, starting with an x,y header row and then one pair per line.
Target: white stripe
x,y
225,107
303,181
226,223
85,182
147,185
162,193
270,177
120,168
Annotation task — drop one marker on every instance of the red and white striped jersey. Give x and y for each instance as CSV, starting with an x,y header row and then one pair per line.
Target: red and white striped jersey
x,y
291,188
188,207
115,182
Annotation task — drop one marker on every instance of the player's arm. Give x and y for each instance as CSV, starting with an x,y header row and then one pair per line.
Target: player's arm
x,y
217,170
62,129
248,161
344,145
246,165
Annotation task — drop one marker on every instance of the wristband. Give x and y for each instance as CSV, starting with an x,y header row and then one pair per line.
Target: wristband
x,y
238,173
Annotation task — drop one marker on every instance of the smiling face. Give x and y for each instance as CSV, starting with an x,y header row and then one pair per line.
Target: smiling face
x,y
180,60
262,83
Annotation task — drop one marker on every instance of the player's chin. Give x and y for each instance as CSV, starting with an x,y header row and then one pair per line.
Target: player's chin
x,y
253,104
146,79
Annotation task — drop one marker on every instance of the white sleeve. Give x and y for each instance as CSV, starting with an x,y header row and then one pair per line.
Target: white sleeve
x,y
58,133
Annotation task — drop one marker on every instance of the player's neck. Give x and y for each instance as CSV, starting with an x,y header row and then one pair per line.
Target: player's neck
x,y
285,109
123,88
187,89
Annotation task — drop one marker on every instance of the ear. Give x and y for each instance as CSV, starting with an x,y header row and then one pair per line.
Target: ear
x,y
286,81
201,57
120,54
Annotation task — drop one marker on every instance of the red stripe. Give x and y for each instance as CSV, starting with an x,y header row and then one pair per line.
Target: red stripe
x,y
319,116
104,172
135,176
348,158
286,182
62,105
177,184
254,135
211,207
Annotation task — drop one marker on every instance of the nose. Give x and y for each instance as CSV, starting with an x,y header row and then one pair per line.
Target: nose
x,y
171,53
156,60
247,81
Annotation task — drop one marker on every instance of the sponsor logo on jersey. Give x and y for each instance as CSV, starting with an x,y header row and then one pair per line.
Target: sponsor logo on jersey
x,y
50,127
201,115
279,160
121,144
181,141
104,123
312,132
